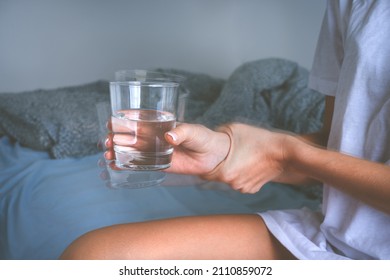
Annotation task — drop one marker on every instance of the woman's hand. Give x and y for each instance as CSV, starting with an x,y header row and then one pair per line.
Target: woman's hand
x,y
256,157
197,149
240,155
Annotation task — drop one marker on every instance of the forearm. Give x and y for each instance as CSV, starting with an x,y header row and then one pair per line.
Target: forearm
x,y
365,180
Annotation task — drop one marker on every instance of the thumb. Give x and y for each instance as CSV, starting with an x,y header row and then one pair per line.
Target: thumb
x,y
188,135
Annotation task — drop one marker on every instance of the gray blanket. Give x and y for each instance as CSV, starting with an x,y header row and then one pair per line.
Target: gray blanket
x,y
61,121
270,93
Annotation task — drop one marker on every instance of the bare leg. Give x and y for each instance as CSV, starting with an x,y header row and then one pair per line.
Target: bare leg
x,y
202,237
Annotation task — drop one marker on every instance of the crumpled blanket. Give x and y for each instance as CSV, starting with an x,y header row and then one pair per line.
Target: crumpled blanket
x,y
270,93
61,121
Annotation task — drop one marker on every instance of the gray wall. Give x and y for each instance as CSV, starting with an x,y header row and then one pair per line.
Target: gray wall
x,y
51,43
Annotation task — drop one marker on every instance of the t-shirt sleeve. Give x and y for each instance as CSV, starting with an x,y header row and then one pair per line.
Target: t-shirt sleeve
x,y
329,54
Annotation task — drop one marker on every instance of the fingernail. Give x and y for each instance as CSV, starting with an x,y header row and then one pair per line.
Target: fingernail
x,y
106,141
172,135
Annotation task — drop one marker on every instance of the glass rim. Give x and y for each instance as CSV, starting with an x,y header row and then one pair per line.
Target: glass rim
x,y
145,84
139,75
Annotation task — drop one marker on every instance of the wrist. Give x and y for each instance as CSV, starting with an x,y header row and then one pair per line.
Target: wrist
x,y
296,154
225,145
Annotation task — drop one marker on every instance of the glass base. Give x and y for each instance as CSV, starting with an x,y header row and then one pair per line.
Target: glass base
x,y
135,179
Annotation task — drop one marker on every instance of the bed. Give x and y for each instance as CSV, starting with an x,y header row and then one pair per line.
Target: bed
x,y
55,185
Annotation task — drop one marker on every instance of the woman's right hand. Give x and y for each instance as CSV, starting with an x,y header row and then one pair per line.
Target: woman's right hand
x,y
197,149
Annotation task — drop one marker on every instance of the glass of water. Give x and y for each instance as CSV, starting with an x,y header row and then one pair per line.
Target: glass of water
x,y
143,108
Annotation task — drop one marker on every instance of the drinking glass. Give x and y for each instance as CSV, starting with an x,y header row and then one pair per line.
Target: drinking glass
x,y
143,108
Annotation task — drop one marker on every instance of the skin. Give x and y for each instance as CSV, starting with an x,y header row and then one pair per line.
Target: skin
x,y
245,157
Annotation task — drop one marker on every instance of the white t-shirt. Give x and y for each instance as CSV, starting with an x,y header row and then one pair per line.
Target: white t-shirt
x,y
352,63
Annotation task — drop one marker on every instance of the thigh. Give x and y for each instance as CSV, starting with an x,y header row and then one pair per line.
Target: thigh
x,y
200,237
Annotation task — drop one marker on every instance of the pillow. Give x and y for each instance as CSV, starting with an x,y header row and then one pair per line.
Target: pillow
x,y
62,121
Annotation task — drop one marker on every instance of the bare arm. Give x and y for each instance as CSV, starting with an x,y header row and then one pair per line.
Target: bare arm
x,y
258,156
248,157
365,180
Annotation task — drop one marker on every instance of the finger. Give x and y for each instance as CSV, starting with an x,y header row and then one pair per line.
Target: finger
x,y
109,155
109,141
171,137
109,125
112,165
124,125
129,140
124,139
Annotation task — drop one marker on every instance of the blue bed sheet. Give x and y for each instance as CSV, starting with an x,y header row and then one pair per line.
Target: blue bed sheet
x,y
46,203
